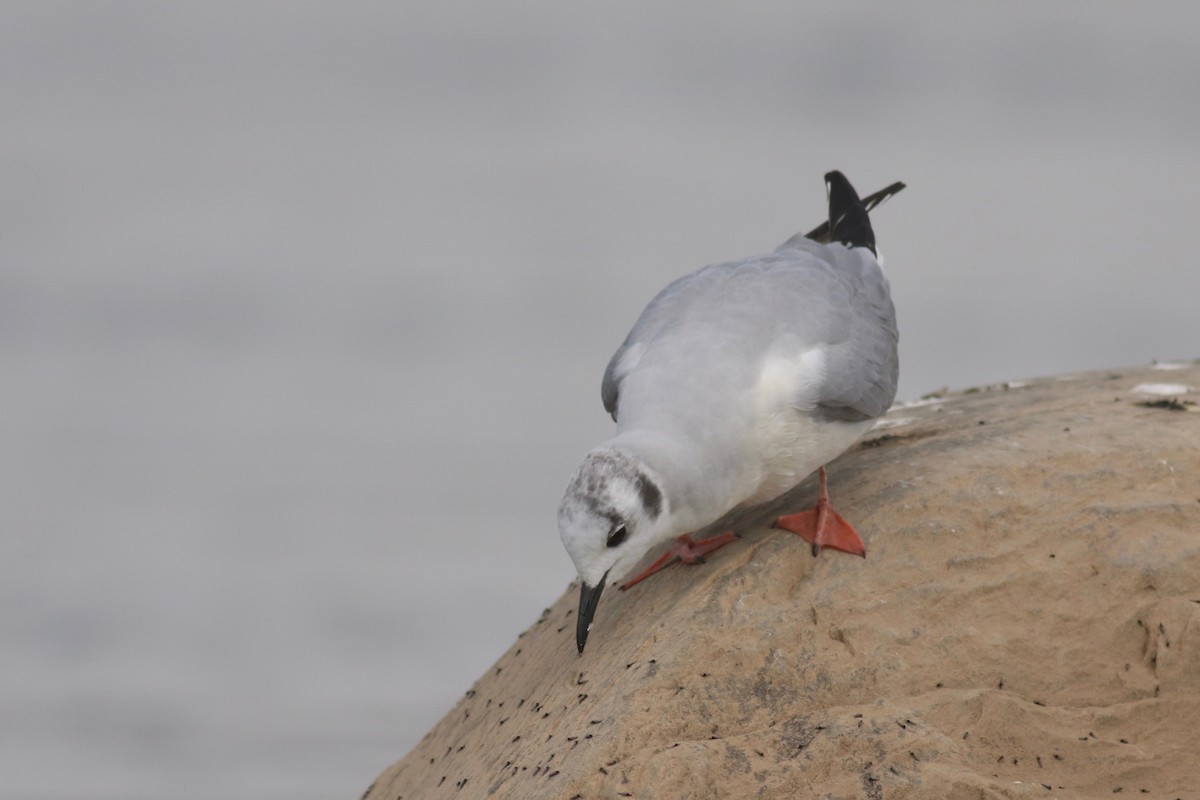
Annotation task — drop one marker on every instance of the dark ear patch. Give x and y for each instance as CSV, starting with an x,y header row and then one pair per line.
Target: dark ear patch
x,y
651,496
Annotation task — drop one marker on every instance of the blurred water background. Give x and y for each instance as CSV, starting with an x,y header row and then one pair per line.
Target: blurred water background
x,y
304,308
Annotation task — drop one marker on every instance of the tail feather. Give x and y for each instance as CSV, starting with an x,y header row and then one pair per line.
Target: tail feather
x,y
848,221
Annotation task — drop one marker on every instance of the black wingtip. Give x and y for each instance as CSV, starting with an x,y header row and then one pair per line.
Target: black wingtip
x,y
848,220
821,232
872,201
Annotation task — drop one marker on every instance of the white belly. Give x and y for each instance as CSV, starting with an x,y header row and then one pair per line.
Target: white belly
x,y
792,449
789,442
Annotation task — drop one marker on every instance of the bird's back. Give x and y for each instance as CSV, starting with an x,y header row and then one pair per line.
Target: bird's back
x,y
709,338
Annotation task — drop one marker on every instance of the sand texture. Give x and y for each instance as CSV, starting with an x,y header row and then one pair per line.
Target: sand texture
x,y
1026,624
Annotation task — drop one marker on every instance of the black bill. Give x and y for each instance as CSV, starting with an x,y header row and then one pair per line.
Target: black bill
x,y
589,598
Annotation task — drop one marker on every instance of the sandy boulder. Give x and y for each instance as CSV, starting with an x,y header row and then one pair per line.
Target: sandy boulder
x,y
1026,624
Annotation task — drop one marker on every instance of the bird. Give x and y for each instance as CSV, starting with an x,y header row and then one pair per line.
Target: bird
x,y
736,383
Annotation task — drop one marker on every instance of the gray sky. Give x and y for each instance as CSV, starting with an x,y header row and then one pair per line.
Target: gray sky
x,y
304,308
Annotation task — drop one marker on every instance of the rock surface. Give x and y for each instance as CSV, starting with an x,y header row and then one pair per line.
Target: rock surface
x,y
1026,624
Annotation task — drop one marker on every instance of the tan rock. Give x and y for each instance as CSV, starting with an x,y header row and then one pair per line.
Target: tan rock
x,y
1026,624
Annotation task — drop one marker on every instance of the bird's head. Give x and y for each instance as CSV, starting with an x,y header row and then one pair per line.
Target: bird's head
x,y
611,514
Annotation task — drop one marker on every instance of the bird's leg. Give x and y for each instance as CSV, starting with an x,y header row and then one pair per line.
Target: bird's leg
x,y
686,550
824,527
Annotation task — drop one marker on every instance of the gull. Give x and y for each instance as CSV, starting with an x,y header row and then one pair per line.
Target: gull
x,y
735,384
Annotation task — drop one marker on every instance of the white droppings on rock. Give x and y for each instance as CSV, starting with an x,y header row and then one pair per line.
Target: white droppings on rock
x,y
1162,389
923,401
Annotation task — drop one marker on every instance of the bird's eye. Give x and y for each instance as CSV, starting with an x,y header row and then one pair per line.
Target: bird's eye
x,y
617,536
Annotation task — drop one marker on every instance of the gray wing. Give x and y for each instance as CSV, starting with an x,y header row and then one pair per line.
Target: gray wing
x,y
808,293
862,367
662,313
609,391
